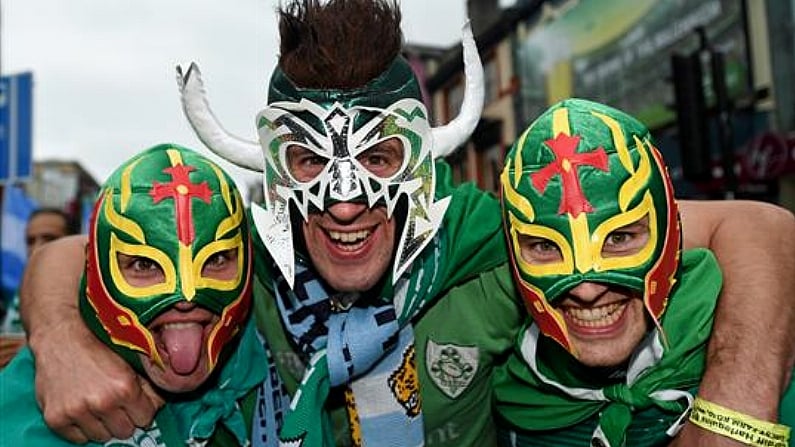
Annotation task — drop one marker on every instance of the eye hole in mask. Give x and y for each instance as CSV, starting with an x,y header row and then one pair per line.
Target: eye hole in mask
x,y
384,159
304,164
219,264
140,271
627,240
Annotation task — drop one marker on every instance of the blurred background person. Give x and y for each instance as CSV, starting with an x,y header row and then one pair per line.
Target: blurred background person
x,y
43,225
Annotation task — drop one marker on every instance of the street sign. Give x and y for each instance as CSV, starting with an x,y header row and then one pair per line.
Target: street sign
x,y
16,123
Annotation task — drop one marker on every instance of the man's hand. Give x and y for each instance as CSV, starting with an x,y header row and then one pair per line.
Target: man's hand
x,y
751,350
87,392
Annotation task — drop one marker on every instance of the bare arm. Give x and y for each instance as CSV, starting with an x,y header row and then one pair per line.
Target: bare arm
x,y
84,389
752,350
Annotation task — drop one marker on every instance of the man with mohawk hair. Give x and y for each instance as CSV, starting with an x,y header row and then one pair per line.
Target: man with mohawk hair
x,y
381,289
616,346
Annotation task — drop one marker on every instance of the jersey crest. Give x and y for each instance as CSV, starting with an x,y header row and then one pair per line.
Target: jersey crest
x,y
451,367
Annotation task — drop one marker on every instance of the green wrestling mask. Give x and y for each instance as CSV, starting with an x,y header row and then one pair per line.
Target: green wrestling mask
x,y
165,224
580,172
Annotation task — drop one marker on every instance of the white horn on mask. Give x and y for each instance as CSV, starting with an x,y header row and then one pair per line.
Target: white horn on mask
x,y
448,137
244,153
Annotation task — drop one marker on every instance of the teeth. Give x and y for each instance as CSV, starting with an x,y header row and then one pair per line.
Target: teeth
x,y
596,317
351,237
180,325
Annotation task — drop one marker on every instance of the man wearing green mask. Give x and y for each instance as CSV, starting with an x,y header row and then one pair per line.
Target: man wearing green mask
x,y
616,347
167,287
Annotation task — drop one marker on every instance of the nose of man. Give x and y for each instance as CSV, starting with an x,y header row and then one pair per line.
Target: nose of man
x,y
184,306
346,211
588,292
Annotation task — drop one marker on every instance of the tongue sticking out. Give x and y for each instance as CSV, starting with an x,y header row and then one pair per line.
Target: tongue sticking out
x,y
183,343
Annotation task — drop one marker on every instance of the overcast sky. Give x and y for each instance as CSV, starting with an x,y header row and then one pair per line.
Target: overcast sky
x,y
104,70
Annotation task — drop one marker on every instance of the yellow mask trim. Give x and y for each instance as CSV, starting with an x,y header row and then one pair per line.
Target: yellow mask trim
x,y
645,208
638,180
234,220
174,157
225,193
543,307
119,246
564,267
126,185
188,270
583,248
619,141
560,122
517,200
216,247
128,226
518,162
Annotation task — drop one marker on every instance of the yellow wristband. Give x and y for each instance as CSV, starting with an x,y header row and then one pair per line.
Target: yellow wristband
x,y
738,426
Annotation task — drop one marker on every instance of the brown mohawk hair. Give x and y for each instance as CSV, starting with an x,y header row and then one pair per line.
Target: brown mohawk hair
x,y
341,44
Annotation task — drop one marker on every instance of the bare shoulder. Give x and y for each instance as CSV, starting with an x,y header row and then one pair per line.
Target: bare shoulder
x,y
702,219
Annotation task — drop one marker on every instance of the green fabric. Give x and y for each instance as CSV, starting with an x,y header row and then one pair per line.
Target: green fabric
x,y
22,423
786,408
472,223
526,404
483,315
647,429
306,422
486,306
244,371
396,83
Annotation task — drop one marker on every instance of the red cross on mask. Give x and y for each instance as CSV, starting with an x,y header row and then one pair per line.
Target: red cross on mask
x,y
182,191
566,162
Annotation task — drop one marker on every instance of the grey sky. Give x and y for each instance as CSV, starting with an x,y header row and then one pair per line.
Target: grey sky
x,y
104,70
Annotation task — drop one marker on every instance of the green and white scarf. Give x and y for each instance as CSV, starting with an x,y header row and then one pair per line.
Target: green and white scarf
x,y
369,349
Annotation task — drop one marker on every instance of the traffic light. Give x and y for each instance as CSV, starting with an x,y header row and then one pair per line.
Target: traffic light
x,y
691,116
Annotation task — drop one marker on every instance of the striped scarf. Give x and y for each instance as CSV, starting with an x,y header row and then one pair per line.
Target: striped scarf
x,y
370,350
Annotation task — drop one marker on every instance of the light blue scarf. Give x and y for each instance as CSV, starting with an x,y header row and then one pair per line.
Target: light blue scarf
x,y
369,349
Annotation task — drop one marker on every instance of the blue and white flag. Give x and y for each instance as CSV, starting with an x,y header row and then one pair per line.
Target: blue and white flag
x,y
16,210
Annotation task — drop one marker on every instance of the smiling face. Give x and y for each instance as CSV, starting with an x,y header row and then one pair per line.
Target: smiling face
x,y
350,245
587,200
366,146
605,322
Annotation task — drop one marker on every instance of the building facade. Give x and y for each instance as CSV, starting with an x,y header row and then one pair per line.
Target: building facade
x,y
621,53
